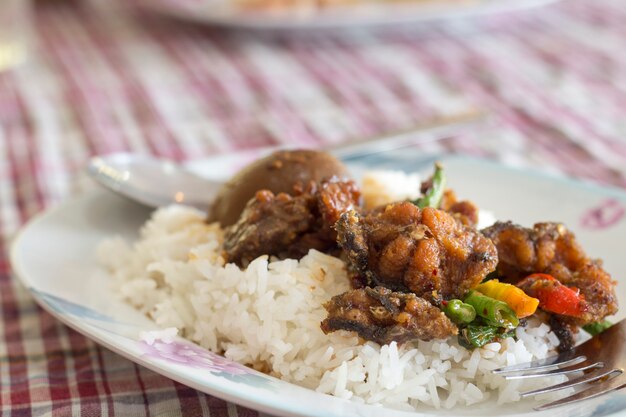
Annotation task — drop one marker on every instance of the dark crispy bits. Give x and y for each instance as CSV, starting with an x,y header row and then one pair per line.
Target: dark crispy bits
x,y
289,226
552,249
427,252
566,332
383,316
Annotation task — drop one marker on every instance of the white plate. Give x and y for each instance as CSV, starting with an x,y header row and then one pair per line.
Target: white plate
x,y
377,14
54,258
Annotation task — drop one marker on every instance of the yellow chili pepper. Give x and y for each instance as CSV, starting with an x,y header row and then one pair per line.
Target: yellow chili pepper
x,y
518,300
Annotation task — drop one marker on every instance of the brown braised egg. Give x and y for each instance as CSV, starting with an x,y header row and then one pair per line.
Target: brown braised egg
x,y
279,172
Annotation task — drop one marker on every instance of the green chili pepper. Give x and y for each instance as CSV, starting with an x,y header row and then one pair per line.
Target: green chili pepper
x,y
458,311
432,197
495,313
598,327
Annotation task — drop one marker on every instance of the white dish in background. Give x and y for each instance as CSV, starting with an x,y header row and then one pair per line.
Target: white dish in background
x,y
375,14
54,256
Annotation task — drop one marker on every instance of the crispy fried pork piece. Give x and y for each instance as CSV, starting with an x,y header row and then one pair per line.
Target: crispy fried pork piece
x,y
383,316
269,225
427,251
523,251
552,249
289,226
334,198
465,211
596,285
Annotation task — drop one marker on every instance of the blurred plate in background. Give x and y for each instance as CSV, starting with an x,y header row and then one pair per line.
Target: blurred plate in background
x,y
327,14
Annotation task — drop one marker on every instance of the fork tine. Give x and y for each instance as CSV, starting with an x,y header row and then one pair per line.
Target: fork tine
x,y
595,390
564,359
588,378
560,371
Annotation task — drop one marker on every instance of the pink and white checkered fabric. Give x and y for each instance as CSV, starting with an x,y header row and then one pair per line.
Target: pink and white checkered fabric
x,y
102,81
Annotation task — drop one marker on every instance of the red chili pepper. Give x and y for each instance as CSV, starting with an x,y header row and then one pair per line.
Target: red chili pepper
x,y
554,296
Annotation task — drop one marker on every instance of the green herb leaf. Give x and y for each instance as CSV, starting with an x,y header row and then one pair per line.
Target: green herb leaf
x,y
474,336
597,328
433,196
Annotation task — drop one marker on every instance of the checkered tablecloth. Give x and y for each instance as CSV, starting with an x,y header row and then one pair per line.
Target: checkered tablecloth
x,y
102,80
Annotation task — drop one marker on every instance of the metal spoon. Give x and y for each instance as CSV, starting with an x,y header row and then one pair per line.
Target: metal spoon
x,y
156,182
150,181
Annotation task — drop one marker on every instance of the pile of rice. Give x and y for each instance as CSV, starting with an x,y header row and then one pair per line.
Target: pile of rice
x,y
268,317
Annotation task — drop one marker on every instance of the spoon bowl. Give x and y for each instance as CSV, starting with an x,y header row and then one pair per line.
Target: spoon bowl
x,y
152,182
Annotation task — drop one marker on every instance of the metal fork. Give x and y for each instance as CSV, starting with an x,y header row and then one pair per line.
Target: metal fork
x,y
602,359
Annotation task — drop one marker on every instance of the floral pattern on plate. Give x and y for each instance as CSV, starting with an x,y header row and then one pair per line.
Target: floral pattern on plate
x,y
188,354
606,214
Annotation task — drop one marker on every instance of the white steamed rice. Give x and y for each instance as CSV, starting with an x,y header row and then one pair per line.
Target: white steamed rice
x,y
268,316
